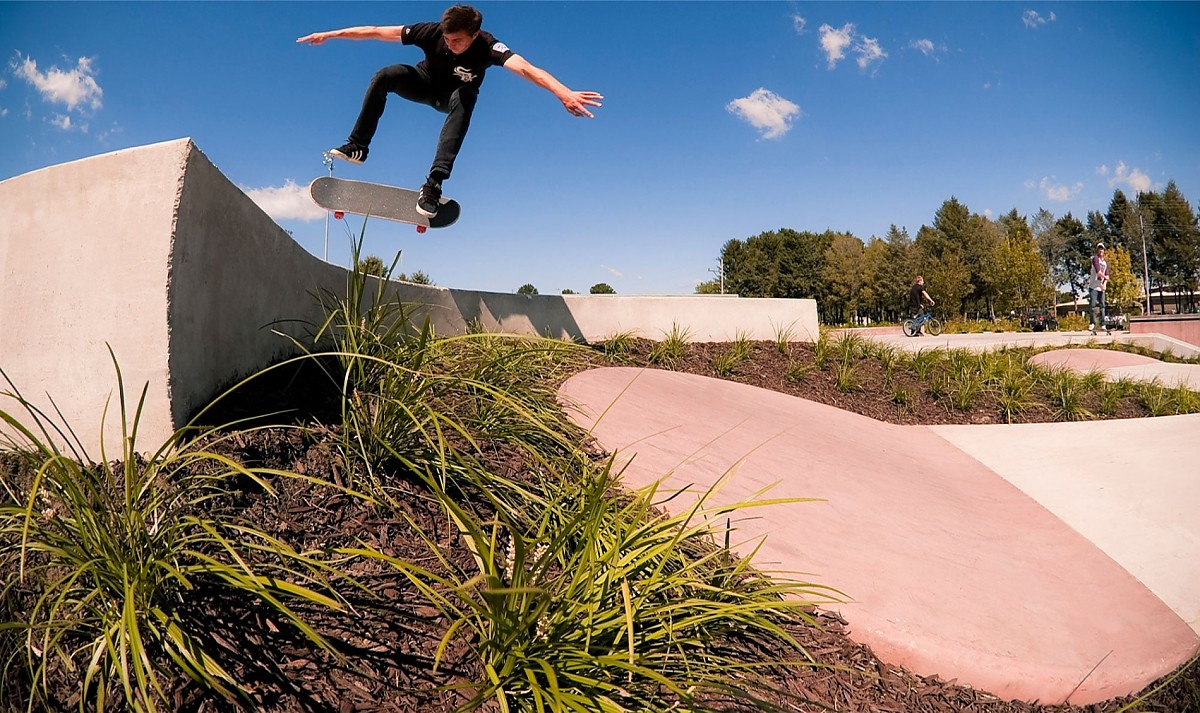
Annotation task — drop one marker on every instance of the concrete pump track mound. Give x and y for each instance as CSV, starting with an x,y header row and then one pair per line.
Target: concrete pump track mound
x,y
1053,586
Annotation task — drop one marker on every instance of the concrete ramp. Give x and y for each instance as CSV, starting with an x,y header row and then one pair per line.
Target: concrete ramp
x,y
950,569
151,250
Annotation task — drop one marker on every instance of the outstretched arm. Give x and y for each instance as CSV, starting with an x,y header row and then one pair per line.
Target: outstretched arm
x,y
575,102
386,33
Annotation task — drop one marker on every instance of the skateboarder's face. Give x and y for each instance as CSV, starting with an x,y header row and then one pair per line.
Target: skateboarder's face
x,y
458,42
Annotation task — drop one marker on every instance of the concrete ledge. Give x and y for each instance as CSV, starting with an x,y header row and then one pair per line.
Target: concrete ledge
x,y
153,251
1181,327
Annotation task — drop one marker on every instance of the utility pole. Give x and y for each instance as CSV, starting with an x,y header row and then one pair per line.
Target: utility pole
x,y
1145,260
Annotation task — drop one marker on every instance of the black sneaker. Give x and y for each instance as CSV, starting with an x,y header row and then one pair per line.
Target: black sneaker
x,y
430,198
351,152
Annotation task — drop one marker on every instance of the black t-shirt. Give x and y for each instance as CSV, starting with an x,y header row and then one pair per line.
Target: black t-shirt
x,y
914,296
444,67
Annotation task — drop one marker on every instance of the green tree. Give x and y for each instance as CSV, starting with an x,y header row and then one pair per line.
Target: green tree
x,y
1052,244
602,288
953,252
372,265
1072,267
1175,251
709,287
842,274
877,297
527,289
779,263
417,278
568,291
1124,287
1015,273
899,273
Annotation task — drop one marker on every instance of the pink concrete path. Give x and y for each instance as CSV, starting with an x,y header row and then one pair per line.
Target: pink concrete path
x,y
949,569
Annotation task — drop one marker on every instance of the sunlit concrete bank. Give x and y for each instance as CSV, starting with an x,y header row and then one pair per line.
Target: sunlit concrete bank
x,y
154,253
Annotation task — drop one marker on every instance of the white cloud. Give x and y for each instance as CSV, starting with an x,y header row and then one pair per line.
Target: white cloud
x,y
286,202
1057,192
799,23
770,114
3,83
3,111
1135,178
834,42
613,271
869,52
1033,20
929,48
64,122
74,88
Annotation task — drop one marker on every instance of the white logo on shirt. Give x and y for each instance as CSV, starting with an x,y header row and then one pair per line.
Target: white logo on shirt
x,y
464,74
500,47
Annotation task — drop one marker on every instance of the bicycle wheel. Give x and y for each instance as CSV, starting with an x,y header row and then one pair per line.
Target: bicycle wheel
x,y
908,328
933,327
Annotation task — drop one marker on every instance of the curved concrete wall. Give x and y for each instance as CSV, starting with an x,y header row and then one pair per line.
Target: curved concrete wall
x,y
153,251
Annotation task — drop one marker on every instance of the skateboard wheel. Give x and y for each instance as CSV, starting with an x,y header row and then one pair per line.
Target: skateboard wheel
x,y
421,228
338,214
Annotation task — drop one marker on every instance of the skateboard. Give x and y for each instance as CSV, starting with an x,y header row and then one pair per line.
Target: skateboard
x,y
377,200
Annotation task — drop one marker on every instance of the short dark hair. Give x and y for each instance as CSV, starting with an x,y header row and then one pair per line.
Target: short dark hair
x,y
462,18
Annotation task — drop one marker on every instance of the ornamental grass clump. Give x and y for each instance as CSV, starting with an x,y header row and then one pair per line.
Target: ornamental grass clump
x,y
105,565
602,603
673,348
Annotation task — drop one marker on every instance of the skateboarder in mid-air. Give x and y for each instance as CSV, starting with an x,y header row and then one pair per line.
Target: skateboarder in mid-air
x,y
457,54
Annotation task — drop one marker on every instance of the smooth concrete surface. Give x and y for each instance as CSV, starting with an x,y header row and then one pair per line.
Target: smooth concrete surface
x,y
1130,486
1184,327
153,251
1005,557
1117,365
997,340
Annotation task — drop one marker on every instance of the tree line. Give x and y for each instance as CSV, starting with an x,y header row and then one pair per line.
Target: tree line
x,y
976,266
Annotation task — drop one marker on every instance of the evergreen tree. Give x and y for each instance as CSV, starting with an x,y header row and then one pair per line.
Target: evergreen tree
x,y
1176,244
417,278
372,265
902,270
527,289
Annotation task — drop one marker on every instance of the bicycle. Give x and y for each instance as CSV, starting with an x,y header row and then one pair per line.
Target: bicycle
x,y
925,321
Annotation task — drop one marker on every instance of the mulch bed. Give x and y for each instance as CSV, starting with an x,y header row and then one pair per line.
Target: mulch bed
x,y
389,646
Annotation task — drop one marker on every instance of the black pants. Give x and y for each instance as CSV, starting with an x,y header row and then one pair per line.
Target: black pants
x,y
415,85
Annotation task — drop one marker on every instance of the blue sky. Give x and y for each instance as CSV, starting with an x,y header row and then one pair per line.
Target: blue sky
x,y
721,119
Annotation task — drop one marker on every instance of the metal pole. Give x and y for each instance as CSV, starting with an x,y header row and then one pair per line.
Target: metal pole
x,y
1145,261
328,161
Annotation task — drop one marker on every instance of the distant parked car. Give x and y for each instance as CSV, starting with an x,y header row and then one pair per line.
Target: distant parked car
x,y
1039,320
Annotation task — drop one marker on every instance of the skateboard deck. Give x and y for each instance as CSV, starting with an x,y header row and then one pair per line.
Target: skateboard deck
x,y
377,200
